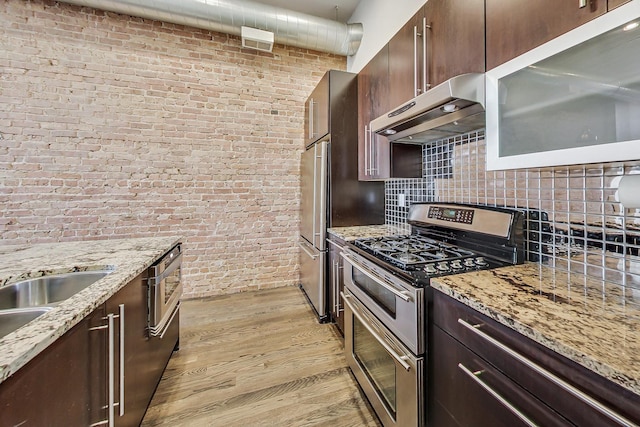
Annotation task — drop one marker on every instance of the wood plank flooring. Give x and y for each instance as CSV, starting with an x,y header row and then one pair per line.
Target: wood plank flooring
x,y
257,359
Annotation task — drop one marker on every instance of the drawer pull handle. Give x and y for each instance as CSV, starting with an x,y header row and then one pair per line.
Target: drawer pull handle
x,y
474,376
551,377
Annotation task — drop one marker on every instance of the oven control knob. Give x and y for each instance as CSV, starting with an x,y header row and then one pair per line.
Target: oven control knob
x,y
480,261
443,266
469,262
429,268
456,265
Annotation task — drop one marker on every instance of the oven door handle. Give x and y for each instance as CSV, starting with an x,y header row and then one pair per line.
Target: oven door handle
x,y
372,276
383,343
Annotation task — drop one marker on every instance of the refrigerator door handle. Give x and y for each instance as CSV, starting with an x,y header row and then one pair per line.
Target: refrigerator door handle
x,y
303,245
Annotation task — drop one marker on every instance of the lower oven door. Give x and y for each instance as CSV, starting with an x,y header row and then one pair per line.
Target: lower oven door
x,y
397,304
391,377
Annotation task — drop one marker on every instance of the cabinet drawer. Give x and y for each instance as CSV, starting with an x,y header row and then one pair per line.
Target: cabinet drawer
x,y
515,362
460,395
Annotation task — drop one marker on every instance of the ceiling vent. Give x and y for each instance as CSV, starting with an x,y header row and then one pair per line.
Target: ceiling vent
x,y
254,38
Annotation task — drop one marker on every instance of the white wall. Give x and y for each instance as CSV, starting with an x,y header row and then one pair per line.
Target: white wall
x,y
381,19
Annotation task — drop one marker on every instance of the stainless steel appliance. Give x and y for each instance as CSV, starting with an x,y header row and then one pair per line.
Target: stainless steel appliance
x,y
164,291
452,108
331,195
387,295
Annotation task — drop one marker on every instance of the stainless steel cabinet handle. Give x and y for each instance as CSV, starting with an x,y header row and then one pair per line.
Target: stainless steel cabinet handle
x,y
416,90
382,342
582,3
371,276
311,124
166,327
112,379
304,248
121,315
548,375
474,376
336,287
425,52
367,169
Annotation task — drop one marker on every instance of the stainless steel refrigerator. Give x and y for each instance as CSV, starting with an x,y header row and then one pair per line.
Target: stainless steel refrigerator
x,y
331,195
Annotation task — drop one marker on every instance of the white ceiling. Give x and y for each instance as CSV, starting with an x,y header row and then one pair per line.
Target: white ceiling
x,y
322,8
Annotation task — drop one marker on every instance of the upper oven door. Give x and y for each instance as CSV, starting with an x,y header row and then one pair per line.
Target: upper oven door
x,y
397,304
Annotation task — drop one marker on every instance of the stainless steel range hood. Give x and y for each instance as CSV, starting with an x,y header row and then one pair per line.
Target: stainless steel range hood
x,y
452,108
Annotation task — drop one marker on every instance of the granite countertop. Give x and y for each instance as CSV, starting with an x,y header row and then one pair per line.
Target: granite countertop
x,y
349,234
126,257
591,322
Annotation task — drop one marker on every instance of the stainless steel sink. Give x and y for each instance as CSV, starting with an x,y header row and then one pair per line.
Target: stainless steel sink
x,y
11,320
47,290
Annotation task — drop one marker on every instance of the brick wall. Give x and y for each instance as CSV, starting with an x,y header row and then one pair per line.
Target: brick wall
x,y
113,126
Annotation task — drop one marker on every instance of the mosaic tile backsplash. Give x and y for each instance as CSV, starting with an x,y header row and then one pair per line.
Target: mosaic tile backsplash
x,y
575,222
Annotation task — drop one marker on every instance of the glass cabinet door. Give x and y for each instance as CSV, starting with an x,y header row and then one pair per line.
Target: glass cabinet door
x,y
574,100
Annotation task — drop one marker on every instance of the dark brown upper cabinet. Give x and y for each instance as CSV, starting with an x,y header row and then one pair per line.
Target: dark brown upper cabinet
x,y
612,4
379,159
316,117
443,39
516,26
455,39
407,66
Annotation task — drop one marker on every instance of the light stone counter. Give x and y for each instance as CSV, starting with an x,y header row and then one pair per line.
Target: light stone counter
x,y
588,321
126,257
349,234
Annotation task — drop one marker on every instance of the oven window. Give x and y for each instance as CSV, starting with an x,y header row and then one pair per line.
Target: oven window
x,y
376,363
384,298
171,282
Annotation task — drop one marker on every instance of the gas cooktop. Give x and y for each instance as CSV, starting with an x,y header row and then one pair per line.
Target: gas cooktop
x,y
416,253
448,239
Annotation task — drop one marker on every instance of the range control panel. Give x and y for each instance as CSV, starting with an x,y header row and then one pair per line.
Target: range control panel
x,y
464,216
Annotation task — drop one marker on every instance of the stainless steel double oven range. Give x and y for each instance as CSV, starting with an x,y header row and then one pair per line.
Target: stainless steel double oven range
x,y
387,295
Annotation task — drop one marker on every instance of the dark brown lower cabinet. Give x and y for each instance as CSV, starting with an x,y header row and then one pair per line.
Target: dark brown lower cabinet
x,y
63,385
68,383
484,373
335,281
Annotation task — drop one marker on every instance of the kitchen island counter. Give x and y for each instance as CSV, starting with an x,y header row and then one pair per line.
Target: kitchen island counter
x,y
126,258
592,323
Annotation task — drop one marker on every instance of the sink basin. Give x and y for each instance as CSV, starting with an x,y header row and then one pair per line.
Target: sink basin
x,y
47,290
10,320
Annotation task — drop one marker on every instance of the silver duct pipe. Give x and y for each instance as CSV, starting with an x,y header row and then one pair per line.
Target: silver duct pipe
x,y
227,16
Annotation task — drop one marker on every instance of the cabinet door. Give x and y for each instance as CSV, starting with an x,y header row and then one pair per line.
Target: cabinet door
x,y
406,65
469,392
612,4
132,346
455,39
336,282
373,100
317,112
63,385
517,26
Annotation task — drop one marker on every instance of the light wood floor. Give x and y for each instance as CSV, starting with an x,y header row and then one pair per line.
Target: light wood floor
x,y
257,359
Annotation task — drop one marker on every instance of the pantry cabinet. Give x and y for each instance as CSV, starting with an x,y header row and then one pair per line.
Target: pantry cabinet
x,y
484,373
517,26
